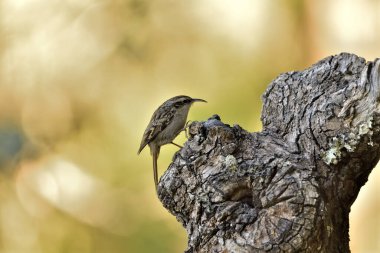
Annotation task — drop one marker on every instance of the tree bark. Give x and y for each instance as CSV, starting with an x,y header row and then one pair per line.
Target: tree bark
x,y
288,188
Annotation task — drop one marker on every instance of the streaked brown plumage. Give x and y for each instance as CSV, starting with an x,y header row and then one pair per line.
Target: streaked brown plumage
x,y
166,123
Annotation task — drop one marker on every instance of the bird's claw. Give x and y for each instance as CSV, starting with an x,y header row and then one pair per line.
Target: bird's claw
x,y
176,144
186,128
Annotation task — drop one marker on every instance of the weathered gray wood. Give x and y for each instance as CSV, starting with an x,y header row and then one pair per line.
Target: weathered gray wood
x,y
288,188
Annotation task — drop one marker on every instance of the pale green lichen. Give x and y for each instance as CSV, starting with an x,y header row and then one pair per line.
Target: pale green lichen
x,y
231,162
349,142
365,127
332,155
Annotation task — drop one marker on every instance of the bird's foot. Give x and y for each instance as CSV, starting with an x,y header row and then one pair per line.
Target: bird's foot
x,y
176,144
186,128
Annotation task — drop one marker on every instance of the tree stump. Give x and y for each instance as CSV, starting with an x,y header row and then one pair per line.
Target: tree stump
x,y
290,187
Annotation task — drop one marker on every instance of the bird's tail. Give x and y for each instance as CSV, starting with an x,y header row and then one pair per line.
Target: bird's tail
x,y
155,153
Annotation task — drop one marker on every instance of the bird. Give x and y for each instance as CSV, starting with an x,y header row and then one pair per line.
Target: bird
x,y
166,123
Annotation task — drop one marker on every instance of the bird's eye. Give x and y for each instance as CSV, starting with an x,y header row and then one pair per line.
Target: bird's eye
x,y
181,103
178,104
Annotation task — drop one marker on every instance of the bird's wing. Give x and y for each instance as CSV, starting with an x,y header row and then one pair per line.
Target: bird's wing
x,y
160,120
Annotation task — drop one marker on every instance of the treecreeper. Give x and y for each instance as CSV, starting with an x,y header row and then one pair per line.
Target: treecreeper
x,y
289,187
166,123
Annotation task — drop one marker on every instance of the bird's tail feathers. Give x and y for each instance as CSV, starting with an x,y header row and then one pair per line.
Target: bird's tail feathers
x,y
155,153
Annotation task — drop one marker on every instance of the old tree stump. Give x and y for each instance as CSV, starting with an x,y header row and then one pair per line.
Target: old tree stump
x,y
290,187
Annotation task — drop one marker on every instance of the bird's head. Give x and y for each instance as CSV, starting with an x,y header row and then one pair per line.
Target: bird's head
x,y
180,101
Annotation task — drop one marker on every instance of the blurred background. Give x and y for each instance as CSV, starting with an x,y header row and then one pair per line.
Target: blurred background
x,y
79,81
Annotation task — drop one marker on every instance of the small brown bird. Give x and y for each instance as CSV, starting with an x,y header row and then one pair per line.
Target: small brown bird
x,y
166,123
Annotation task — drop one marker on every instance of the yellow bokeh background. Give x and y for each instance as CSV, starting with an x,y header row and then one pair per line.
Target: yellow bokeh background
x,y
79,81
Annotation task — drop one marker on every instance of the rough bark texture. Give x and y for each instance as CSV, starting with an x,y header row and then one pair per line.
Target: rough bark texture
x,y
290,187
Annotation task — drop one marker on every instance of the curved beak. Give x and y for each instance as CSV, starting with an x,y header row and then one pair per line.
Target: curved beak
x,y
198,100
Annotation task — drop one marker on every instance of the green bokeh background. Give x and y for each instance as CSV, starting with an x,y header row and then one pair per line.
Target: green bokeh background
x,y
79,81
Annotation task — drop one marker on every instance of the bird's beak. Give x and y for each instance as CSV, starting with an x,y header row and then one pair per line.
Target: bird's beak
x,y
198,100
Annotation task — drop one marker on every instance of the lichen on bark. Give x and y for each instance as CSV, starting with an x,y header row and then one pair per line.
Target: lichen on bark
x,y
288,188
